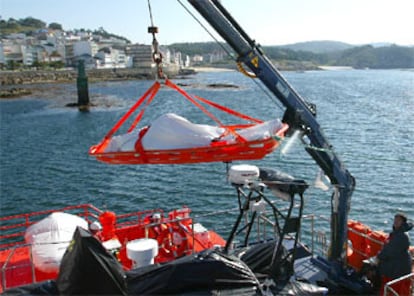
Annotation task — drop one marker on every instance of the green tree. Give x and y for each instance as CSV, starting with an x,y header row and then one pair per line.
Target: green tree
x,y
32,22
57,64
10,24
55,26
13,65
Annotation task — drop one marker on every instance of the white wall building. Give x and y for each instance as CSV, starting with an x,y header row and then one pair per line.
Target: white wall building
x,y
216,56
85,48
111,58
72,38
55,45
141,56
28,54
15,36
178,59
198,58
12,51
187,62
2,58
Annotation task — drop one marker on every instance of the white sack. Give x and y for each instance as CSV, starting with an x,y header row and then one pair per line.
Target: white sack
x,y
50,237
125,142
260,131
171,131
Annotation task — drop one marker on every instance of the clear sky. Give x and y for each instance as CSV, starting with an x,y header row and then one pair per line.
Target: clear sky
x,y
269,22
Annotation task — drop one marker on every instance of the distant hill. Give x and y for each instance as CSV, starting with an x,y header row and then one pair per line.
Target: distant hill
x,y
298,55
380,44
368,56
318,46
25,25
199,48
316,53
310,47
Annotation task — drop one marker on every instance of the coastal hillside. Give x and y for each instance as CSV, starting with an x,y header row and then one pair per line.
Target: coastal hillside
x,y
313,53
321,47
298,56
368,56
29,25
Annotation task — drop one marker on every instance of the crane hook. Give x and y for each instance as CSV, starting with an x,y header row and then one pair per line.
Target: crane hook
x,y
156,54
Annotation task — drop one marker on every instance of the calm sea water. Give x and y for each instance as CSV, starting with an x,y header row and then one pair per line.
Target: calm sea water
x,y
367,115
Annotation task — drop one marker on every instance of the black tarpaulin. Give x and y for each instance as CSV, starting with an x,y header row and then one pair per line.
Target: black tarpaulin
x,y
206,271
43,288
87,268
298,288
258,257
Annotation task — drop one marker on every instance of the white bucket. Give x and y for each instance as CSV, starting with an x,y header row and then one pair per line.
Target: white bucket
x,y
142,251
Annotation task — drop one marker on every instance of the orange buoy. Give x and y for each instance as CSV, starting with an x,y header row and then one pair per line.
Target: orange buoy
x,y
376,240
108,220
358,250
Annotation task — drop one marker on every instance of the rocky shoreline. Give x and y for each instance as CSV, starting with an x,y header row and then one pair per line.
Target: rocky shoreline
x,y
59,76
15,84
14,92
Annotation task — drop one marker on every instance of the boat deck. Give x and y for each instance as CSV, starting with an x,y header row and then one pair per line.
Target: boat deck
x,y
17,266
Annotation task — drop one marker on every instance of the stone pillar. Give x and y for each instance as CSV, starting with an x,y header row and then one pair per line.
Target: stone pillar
x,y
82,85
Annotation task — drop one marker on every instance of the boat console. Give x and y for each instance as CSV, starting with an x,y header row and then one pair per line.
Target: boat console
x,y
250,183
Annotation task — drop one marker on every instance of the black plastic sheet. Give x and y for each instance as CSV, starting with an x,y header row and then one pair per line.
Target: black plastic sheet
x,y
206,271
87,268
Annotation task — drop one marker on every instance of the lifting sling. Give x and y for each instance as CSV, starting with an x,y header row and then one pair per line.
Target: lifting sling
x,y
217,151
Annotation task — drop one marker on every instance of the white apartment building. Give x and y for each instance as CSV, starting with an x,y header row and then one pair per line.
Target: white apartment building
x,y
178,59
198,58
108,57
81,48
12,51
22,52
141,56
2,57
72,38
69,47
187,62
216,56
29,55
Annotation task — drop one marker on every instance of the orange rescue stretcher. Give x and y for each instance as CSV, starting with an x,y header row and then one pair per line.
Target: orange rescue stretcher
x,y
217,151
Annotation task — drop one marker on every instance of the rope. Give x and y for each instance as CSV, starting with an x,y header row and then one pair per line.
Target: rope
x,y
231,55
141,113
172,85
228,110
239,138
152,90
156,55
150,12
208,32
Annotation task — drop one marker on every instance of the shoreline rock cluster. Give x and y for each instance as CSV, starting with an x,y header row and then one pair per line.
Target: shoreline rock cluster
x,y
14,92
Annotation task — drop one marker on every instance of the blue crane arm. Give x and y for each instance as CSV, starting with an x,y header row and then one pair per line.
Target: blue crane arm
x,y
299,114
